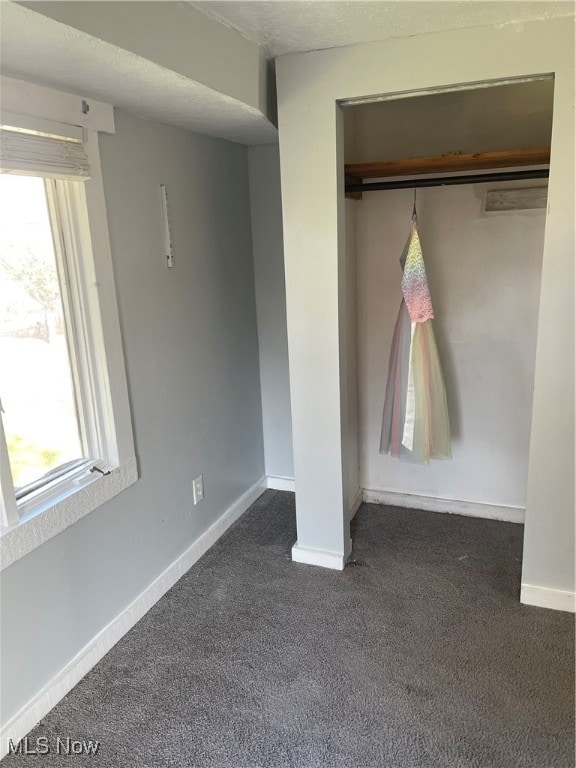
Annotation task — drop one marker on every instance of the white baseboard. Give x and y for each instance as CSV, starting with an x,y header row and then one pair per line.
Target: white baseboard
x,y
47,698
305,555
450,506
319,557
544,597
278,483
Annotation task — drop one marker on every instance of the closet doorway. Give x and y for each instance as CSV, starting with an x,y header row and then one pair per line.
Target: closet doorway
x,y
483,245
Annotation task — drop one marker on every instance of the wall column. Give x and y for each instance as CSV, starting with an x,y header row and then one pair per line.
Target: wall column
x,y
314,255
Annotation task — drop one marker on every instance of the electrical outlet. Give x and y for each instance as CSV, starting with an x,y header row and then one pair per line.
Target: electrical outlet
x,y
198,489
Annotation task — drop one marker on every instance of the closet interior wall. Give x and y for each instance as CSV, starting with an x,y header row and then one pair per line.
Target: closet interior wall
x,y
484,273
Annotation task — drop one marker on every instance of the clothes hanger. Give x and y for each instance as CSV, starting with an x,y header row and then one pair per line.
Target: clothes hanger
x,y
414,213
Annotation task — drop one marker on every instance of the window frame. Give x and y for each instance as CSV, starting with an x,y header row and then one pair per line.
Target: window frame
x,y
69,218
81,236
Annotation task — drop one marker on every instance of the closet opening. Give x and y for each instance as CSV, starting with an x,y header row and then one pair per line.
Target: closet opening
x,y
478,158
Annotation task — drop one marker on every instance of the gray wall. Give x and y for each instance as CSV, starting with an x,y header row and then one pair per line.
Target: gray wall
x,y
484,274
191,350
266,210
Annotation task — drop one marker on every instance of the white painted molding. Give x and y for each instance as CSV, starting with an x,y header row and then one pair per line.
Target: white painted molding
x,y
356,501
449,506
47,698
24,98
544,597
416,501
315,556
320,557
279,483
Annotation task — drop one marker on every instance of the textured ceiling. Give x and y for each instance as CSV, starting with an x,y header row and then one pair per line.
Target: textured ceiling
x,y
34,47
292,26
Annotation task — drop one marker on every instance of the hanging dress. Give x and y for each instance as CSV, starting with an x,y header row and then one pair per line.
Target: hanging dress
x,y
415,424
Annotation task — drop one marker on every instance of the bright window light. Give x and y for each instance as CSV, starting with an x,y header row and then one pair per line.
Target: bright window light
x,y
40,409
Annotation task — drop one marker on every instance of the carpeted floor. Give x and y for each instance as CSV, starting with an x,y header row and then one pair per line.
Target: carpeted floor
x,y
417,654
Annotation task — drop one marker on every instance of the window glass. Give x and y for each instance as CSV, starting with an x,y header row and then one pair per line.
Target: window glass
x,y
40,410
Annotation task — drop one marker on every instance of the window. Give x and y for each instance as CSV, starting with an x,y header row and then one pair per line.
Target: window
x,y
65,435
45,433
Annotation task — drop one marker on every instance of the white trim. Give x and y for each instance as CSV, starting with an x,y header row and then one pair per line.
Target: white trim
x,y
47,698
544,597
109,317
356,502
475,85
64,481
87,301
8,509
449,506
279,483
36,101
320,557
416,501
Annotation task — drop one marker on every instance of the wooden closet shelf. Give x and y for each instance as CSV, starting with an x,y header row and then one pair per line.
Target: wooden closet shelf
x,y
474,161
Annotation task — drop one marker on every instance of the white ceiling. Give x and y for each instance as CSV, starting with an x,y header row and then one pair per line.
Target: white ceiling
x,y
37,48
293,26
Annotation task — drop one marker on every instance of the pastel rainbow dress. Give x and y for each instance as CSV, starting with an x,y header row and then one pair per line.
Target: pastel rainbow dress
x,y
415,425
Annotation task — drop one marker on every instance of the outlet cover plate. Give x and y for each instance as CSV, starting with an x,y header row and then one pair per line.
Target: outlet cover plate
x,y
198,489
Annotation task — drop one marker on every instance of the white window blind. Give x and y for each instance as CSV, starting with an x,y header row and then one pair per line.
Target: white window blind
x,y
33,155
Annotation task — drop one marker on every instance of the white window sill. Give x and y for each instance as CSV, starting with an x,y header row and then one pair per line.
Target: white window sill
x,y
43,523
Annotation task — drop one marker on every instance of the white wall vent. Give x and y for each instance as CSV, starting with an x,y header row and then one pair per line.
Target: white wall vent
x,y
510,200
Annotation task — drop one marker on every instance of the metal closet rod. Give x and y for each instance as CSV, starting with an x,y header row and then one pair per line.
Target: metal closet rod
x,y
480,178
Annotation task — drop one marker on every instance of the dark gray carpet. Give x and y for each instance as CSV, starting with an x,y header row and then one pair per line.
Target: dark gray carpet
x,y
419,654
